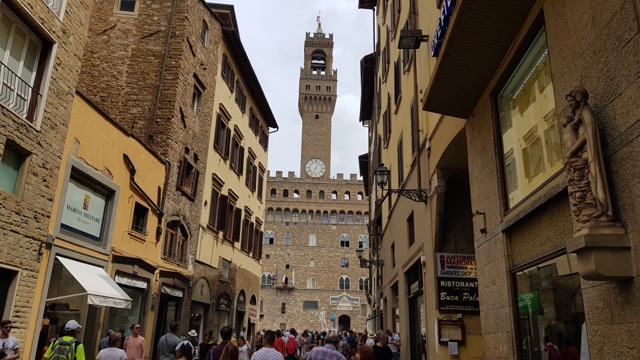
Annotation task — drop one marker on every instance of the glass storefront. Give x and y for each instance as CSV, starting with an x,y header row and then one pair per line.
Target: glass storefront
x,y
550,306
122,319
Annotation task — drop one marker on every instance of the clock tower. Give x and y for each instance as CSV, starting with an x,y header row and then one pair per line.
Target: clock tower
x,y
316,102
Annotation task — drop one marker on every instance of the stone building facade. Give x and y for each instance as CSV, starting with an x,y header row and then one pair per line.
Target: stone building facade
x,y
41,49
315,223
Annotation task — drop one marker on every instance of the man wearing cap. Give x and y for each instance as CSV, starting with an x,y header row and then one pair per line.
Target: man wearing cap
x,y
134,345
71,330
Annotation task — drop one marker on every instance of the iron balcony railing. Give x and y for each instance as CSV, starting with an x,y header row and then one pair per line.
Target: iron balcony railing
x,y
17,94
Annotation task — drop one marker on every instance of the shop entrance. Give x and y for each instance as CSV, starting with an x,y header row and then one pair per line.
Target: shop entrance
x,y
168,311
344,323
241,309
417,321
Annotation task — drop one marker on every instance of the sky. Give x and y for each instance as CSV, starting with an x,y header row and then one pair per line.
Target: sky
x,y
273,34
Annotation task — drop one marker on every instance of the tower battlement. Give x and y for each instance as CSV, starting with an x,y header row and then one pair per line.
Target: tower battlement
x,y
291,175
318,36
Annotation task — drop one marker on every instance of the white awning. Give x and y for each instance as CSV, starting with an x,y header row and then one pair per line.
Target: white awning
x,y
100,289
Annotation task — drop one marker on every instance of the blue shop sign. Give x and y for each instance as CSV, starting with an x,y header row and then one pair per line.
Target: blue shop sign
x,y
441,28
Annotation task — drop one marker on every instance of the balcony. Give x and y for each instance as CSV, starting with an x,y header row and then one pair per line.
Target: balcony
x,y
17,94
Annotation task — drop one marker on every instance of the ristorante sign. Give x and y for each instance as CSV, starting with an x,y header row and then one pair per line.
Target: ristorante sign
x,y
458,295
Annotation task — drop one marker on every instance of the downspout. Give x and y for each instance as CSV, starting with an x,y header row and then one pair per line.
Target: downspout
x,y
132,179
164,66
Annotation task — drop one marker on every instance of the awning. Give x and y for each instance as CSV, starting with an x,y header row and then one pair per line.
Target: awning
x,y
100,289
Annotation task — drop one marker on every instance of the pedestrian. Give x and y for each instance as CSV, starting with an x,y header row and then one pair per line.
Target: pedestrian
x,y
113,352
394,344
230,352
134,345
168,343
327,352
243,348
104,342
206,344
381,350
216,351
279,342
258,340
371,339
184,350
67,343
268,351
365,352
9,346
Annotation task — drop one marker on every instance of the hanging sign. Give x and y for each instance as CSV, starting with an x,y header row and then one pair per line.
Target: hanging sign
x,y
456,265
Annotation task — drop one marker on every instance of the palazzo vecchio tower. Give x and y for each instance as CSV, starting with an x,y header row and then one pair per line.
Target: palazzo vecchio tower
x,y
311,276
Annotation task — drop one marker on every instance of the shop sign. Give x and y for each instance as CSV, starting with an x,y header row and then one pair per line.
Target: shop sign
x,y
458,295
83,211
441,28
457,265
125,280
529,302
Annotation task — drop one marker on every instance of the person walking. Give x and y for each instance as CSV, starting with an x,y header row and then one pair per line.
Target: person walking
x,y
68,341
168,343
243,348
8,344
394,344
206,344
327,352
268,351
279,343
381,350
113,352
134,345
216,352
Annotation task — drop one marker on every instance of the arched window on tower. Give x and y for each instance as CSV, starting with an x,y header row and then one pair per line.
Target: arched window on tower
x,y
266,280
345,239
273,193
285,193
313,240
347,195
278,214
318,61
321,194
295,215
363,284
325,217
312,263
311,283
342,217
350,217
317,116
309,194
363,241
360,196
296,194
287,239
334,217
269,237
334,195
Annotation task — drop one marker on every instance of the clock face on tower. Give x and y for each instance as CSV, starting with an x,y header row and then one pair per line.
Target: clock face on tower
x,y
315,168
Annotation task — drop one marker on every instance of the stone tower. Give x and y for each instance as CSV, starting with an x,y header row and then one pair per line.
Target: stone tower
x,y
316,102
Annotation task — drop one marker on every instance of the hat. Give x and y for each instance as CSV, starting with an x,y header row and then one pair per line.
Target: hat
x,y
72,325
371,335
193,333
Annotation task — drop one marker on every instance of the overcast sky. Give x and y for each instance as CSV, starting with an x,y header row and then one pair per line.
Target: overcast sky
x,y
273,34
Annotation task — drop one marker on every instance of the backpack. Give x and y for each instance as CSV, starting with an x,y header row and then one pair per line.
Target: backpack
x,y
64,350
291,346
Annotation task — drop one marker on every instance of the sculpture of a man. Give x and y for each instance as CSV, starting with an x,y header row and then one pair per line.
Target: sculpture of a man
x,y
323,319
584,165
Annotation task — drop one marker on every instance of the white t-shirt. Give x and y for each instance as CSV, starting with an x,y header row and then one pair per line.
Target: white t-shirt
x,y
394,338
244,352
9,345
112,353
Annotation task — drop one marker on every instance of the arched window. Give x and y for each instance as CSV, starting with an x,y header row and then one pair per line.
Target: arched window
x,y
365,219
296,194
345,239
312,263
278,214
269,238
313,240
309,194
287,239
342,216
363,241
295,216
360,196
321,194
311,283
266,279
325,217
285,193
344,283
344,262
334,217
287,215
273,193
270,214
303,216
347,195
358,217
176,241
350,217
318,217
363,284
334,195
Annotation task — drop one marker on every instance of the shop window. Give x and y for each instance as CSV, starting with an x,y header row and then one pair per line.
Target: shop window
x,y
344,283
12,167
345,240
176,242
344,262
188,178
136,288
140,217
24,56
531,152
549,304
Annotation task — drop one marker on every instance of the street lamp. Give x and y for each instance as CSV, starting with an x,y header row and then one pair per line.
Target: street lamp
x,y
411,39
382,174
368,262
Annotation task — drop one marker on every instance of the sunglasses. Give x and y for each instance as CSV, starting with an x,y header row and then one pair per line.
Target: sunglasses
x,y
7,327
137,327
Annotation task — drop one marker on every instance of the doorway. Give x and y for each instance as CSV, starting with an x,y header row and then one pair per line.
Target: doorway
x,y
344,323
168,311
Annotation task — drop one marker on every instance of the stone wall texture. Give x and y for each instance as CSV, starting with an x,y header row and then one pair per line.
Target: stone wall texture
x,y
25,216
